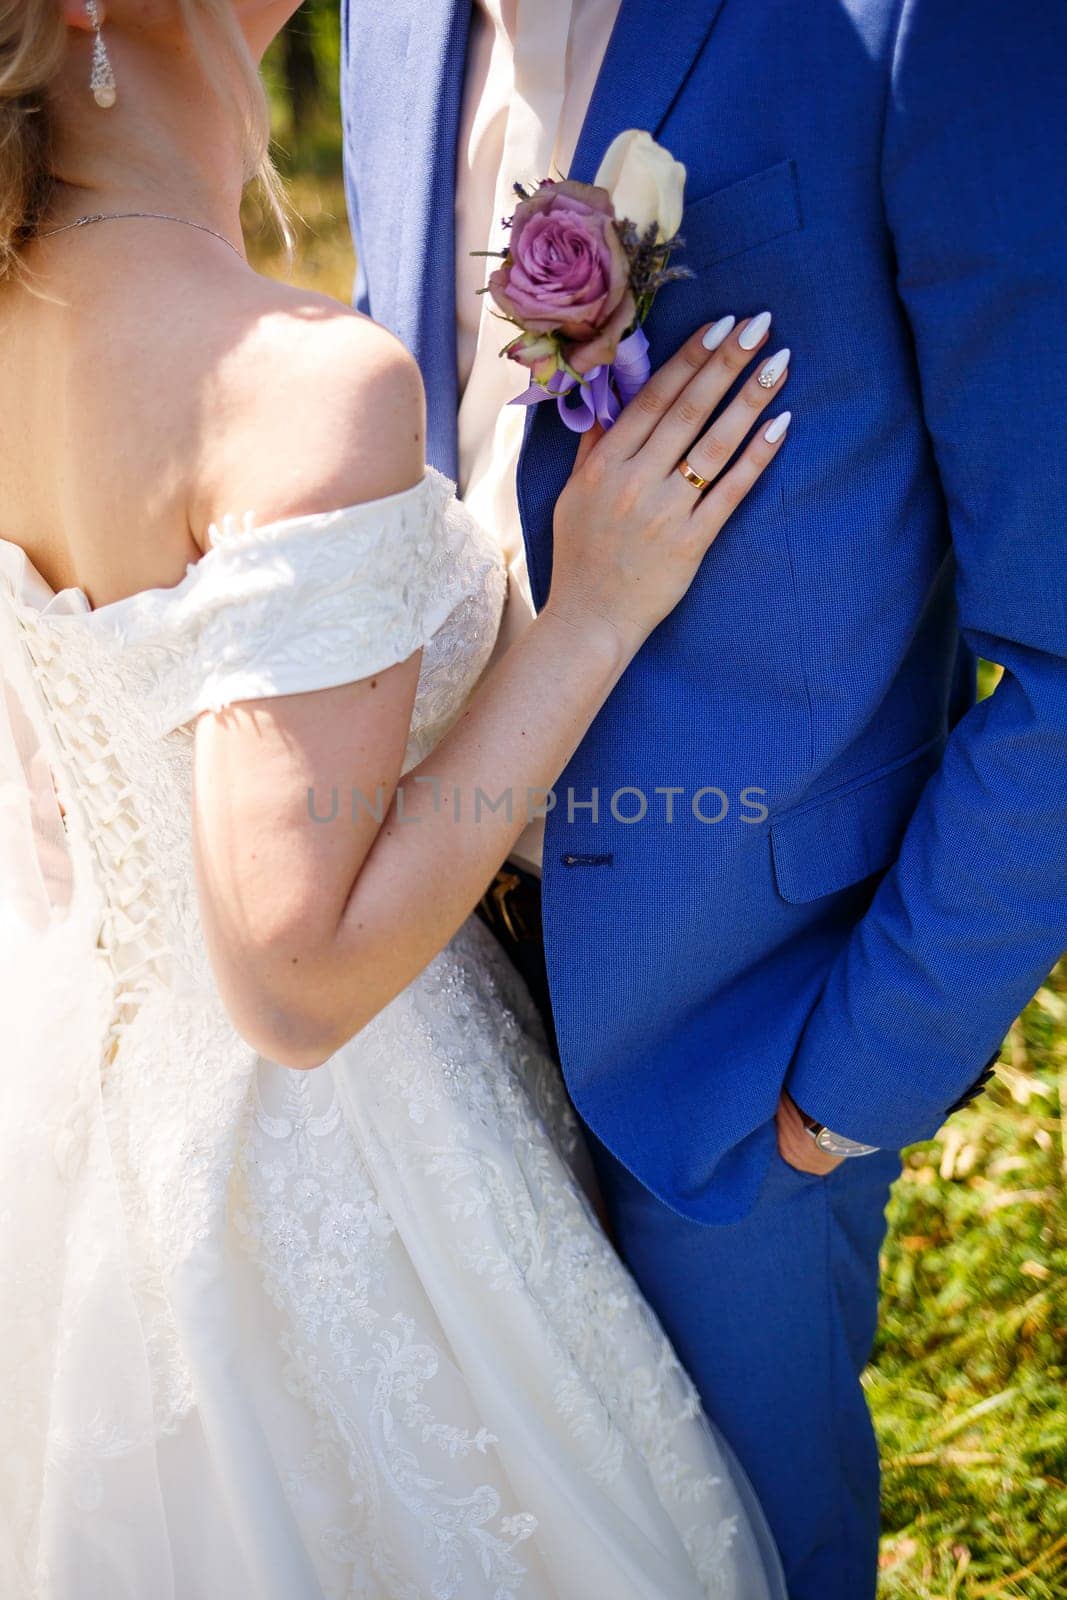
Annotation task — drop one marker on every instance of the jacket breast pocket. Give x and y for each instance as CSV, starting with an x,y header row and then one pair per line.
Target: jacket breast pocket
x,y
751,212
852,832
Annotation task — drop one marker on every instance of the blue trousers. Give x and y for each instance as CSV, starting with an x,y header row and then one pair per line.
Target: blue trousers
x,y
774,1316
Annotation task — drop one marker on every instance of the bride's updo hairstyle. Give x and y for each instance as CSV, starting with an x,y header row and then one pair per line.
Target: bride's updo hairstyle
x,y
33,45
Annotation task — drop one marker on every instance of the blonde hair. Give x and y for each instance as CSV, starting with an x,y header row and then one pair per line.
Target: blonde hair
x,y
33,43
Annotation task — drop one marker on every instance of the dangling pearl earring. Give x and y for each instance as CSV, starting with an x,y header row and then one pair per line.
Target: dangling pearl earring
x,y
102,78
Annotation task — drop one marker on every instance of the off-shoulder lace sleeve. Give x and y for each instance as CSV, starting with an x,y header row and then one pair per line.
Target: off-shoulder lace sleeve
x,y
304,604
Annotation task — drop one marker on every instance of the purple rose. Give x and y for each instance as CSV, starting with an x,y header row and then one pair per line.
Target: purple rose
x,y
567,273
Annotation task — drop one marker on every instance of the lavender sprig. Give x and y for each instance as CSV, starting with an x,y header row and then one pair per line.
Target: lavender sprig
x,y
649,270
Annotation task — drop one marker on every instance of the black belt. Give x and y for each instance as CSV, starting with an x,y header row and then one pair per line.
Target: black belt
x,y
511,910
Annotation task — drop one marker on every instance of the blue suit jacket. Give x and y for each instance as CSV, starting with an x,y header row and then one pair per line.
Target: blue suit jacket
x,y
888,179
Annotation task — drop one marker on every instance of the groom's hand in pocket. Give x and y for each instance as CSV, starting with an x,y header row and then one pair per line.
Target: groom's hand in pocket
x,y
796,1146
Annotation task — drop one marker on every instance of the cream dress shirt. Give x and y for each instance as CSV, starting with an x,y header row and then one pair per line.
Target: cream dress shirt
x,y
531,69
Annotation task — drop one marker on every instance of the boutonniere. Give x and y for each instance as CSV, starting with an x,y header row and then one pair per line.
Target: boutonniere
x,y
584,263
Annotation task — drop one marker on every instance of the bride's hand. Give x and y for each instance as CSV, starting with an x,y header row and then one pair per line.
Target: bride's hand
x,y
630,531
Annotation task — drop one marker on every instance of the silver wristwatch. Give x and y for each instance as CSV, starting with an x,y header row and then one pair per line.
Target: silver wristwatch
x,y
835,1144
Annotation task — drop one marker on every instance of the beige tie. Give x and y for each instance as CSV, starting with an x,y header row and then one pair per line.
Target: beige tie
x,y
490,429
542,30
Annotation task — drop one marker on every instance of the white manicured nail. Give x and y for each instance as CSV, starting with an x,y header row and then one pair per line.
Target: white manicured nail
x,y
750,336
717,333
777,428
772,370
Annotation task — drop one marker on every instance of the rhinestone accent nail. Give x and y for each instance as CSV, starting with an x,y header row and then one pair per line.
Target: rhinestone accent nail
x,y
772,370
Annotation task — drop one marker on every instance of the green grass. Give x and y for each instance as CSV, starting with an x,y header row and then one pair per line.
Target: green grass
x,y
969,1380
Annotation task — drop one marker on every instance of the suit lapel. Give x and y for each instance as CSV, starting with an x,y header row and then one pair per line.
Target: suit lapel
x,y
652,48
653,45
411,65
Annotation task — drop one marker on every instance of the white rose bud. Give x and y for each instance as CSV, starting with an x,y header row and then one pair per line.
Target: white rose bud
x,y
645,182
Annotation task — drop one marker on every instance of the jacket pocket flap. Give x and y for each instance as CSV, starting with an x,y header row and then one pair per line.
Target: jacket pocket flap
x,y
744,214
851,833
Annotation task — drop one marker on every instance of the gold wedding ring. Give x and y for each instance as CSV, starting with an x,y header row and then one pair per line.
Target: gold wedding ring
x,y
692,477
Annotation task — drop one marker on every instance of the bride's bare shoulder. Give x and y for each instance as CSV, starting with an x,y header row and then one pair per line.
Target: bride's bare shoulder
x,y
306,405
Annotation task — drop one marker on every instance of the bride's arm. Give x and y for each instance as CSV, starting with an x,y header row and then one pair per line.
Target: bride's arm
x,y
313,927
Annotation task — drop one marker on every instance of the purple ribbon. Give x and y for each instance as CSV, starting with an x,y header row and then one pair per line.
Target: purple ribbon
x,y
601,393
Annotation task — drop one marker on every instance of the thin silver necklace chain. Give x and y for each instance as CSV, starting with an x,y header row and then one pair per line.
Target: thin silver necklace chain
x,y
149,216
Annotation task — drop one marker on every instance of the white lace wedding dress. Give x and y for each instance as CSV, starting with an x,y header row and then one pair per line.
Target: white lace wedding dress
x,y
290,1335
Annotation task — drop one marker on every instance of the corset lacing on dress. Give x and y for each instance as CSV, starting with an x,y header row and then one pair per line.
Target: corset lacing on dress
x,y
130,938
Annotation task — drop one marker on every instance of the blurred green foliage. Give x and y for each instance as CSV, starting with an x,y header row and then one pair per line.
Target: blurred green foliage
x,y
302,71
969,1379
